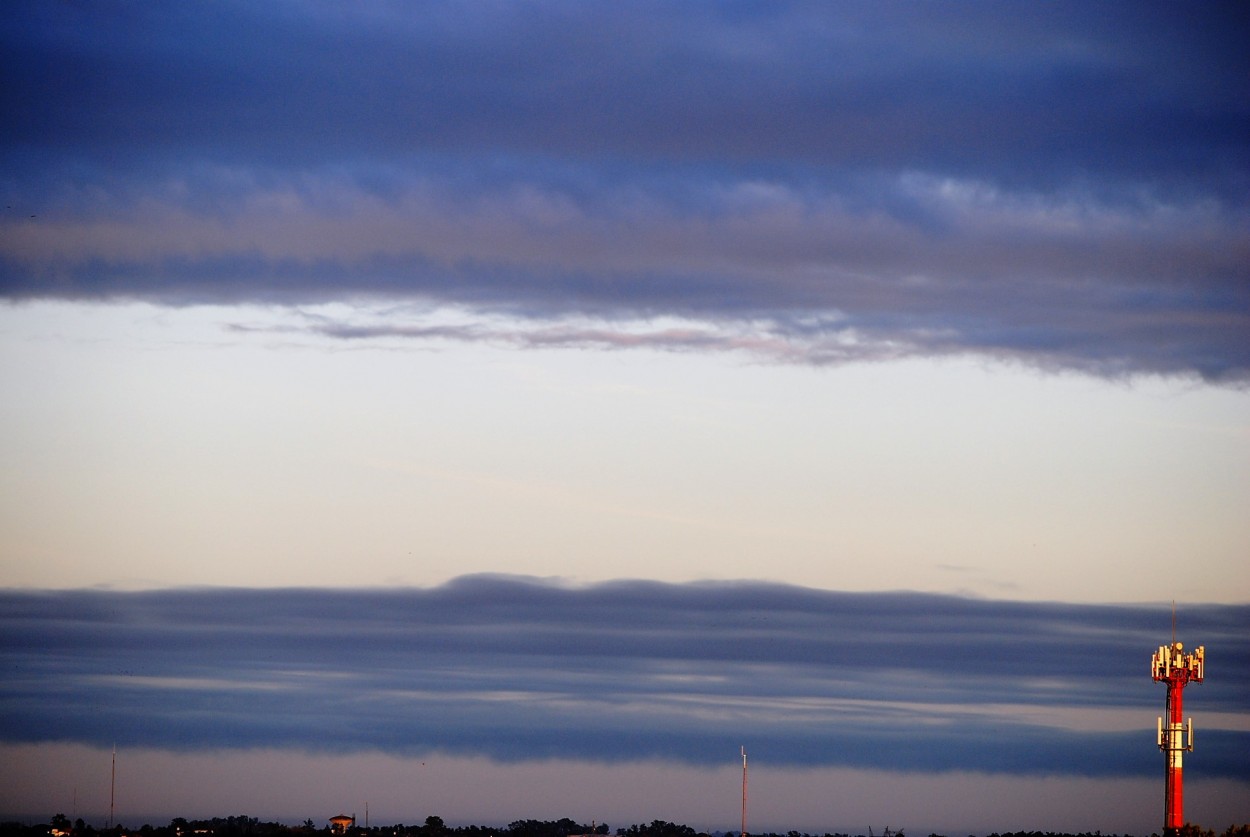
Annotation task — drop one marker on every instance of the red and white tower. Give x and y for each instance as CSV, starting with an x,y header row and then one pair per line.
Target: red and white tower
x,y
1176,668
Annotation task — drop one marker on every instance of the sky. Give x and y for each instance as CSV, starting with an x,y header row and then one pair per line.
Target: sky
x,y
510,410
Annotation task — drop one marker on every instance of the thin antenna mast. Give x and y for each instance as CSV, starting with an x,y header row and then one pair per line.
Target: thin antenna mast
x,y
744,791
113,787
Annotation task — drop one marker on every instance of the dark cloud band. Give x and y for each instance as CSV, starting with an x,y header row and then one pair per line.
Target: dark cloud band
x,y
518,669
814,184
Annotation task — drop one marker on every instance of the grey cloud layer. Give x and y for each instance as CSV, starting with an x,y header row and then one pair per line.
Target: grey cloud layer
x,y
520,669
1067,186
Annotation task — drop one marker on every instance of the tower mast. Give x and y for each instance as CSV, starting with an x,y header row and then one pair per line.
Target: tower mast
x,y
1172,666
112,787
744,791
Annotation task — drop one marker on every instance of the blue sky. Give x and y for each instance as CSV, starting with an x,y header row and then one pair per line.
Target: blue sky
x,y
580,381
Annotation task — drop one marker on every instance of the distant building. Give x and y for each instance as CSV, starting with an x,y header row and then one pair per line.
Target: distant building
x,y
340,824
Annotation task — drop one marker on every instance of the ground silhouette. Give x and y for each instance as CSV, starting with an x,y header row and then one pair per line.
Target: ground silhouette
x,y
433,826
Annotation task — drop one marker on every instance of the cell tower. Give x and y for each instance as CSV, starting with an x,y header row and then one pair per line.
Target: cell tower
x,y
1172,666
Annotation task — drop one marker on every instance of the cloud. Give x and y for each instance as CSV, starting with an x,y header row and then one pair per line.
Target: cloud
x,y
1066,189
523,669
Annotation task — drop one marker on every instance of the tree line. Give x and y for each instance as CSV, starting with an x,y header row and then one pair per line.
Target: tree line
x,y
245,826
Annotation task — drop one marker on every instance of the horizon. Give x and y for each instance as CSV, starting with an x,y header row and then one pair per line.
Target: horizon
x,y
299,825
133,822
417,822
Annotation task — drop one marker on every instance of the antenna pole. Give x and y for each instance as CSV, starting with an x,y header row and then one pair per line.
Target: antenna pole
x,y
113,787
744,791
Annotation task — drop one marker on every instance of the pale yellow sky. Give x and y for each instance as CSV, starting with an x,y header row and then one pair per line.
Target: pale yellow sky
x,y
290,786
149,447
